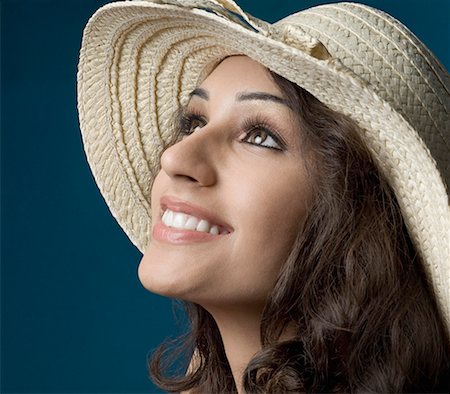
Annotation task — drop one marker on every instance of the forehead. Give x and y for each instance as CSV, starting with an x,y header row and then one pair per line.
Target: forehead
x,y
240,73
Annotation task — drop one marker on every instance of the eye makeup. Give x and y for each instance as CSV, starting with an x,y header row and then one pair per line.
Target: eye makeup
x,y
259,122
188,120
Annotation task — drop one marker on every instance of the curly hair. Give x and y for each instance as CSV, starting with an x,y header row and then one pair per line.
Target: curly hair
x,y
352,289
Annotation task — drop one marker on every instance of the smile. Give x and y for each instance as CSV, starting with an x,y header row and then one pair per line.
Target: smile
x,y
184,221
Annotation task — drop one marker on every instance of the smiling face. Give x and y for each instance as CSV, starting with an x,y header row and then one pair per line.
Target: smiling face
x,y
233,192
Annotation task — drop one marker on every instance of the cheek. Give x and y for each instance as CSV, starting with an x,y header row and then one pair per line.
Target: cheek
x,y
273,204
156,193
271,210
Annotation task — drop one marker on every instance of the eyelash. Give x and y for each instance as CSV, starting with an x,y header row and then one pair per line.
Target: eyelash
x,y
185,120
252,124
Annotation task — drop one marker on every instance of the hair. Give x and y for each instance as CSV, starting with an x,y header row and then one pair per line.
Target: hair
x,y
352,287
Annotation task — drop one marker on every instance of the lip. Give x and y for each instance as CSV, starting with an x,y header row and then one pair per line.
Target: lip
x,y
161,232
177,205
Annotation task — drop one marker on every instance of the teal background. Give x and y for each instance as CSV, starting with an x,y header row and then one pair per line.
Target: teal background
x,y
74,317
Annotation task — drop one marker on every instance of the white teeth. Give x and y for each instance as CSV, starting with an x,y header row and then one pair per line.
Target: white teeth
x,y
179,219
191,223
169,218
184,221
203,226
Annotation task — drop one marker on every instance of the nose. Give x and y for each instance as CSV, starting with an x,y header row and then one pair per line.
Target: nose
x,y
192,159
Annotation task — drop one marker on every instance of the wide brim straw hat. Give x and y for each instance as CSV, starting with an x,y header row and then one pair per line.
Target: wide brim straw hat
x,y
139,61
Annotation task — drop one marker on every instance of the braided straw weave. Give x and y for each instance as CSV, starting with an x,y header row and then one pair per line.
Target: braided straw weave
x,y
140,59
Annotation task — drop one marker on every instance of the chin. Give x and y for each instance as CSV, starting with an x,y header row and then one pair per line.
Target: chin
x,y
160,279
156,281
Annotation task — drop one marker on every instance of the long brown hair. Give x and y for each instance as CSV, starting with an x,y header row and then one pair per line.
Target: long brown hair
x,y
352,288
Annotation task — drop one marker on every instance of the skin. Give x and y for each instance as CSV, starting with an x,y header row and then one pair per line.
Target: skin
x,y
262,193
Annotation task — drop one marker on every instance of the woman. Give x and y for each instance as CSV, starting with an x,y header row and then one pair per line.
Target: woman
x,y
300,213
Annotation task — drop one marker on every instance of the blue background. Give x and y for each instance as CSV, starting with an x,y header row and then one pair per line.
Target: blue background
x,y
74,317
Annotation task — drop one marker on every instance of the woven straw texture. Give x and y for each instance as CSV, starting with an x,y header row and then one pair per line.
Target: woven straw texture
x,y
140,59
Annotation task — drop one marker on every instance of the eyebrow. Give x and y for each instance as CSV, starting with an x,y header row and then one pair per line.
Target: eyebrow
x,y
245,96
199,92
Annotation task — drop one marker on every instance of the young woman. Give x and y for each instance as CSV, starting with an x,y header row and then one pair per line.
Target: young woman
x,y
287,182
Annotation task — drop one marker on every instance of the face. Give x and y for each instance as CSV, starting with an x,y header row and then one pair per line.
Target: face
x,y
231,194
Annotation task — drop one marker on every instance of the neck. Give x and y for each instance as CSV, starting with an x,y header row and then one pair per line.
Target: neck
x,y
240,331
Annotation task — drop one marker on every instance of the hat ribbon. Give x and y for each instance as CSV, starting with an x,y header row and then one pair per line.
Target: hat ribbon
x,y
289,34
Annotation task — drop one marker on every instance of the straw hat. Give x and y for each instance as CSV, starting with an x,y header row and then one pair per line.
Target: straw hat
x,y
140,59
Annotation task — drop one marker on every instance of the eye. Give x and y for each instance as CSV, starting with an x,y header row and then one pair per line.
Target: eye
x,y
261,136
189,123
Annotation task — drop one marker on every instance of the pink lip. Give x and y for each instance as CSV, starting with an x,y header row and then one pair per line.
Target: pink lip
x,y
177,236
177,205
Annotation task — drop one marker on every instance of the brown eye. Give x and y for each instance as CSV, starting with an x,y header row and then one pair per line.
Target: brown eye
x,y
195,124
260,137
189,123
